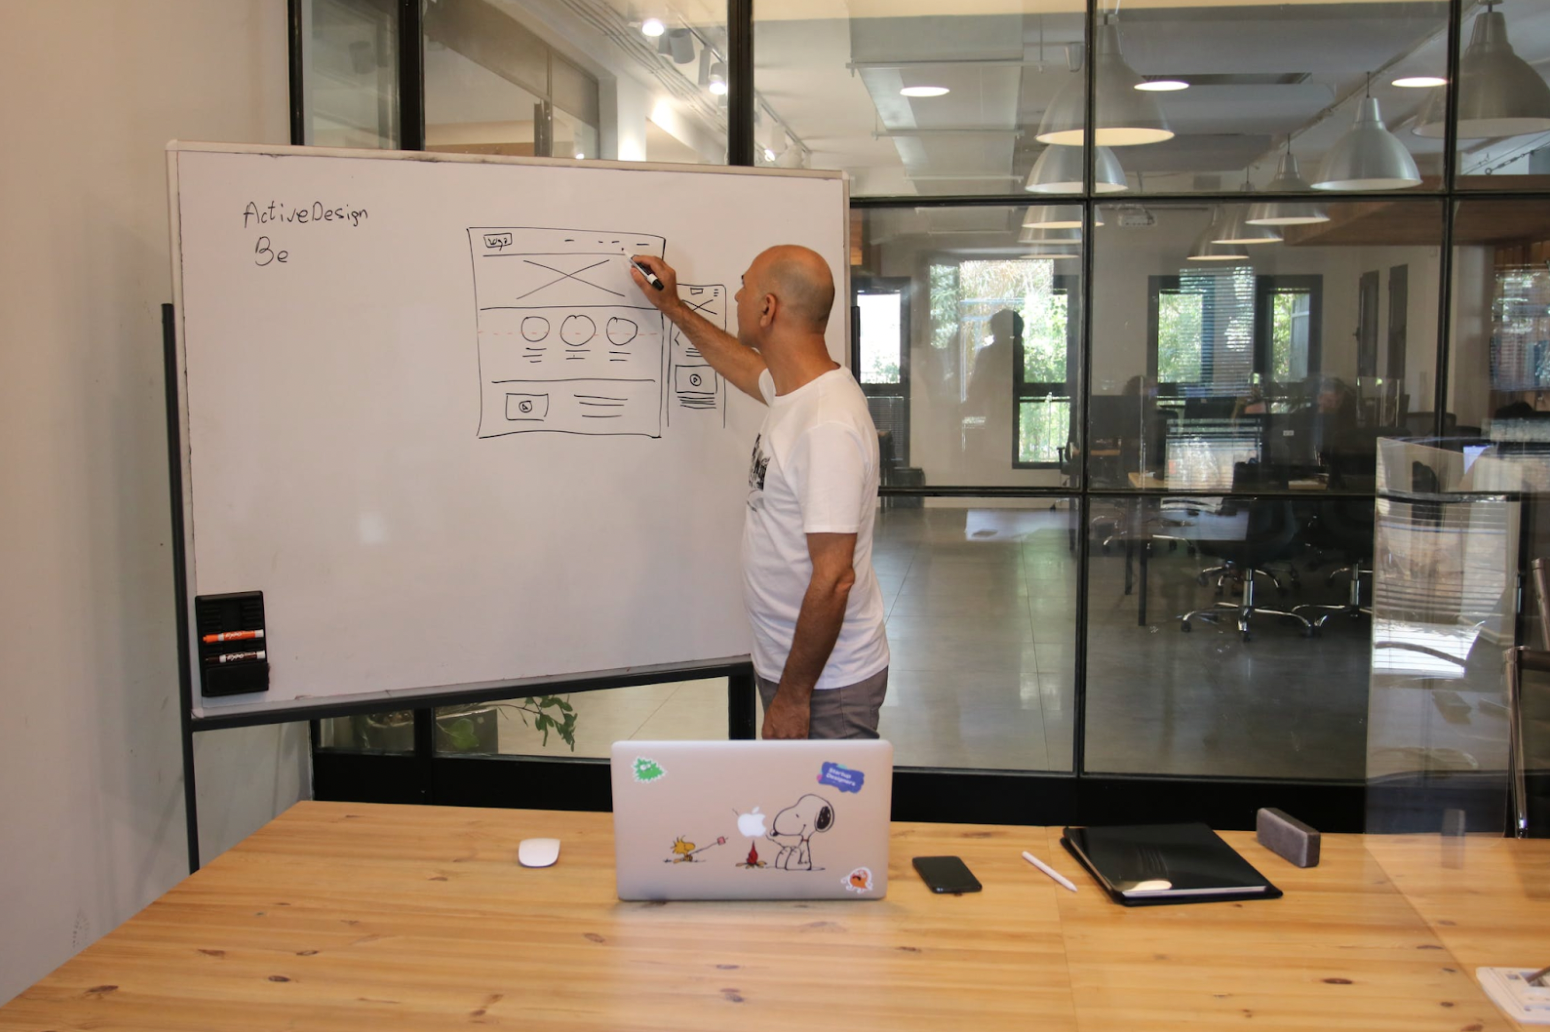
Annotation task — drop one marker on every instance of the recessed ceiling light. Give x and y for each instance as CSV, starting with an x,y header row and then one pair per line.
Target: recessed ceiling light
x,y
1162,85
580,156
924,91
652,27
1418,82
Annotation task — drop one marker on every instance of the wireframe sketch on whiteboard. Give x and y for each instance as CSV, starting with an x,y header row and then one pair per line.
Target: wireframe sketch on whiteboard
x,y
567,344
695,386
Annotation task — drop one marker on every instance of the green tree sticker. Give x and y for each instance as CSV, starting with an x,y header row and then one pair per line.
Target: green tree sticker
x,y
648,770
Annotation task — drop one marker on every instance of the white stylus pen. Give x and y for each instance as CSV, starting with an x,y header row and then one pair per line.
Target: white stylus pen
x,y
1047,869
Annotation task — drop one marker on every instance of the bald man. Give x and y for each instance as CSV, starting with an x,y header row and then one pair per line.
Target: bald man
x,y
820,655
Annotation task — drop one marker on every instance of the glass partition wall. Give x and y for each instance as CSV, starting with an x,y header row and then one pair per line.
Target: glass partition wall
x,y
1137,288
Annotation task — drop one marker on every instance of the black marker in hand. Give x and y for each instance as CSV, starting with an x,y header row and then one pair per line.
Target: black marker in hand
x,y
651,277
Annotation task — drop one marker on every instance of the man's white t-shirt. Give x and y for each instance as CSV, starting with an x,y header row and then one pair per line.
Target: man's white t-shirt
x,y
814,471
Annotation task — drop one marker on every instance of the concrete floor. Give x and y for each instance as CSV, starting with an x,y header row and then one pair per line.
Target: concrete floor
x,y
981,605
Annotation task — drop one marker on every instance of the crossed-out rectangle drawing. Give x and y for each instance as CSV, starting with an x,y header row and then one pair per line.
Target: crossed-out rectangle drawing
x,y
567,343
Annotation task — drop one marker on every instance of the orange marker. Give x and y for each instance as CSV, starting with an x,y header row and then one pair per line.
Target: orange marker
x,y
211,639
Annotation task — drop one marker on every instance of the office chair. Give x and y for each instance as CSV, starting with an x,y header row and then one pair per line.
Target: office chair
x,y
1345,526
1272,534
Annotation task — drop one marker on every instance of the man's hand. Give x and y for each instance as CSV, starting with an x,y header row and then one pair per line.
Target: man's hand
x,y
665,299
786,717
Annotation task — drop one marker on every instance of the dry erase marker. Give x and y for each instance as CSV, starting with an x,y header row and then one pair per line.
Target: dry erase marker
x,y
235,657
211,639
651,277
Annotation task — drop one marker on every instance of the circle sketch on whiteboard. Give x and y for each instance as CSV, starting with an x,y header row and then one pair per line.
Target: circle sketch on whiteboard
x,y
576,330
535,328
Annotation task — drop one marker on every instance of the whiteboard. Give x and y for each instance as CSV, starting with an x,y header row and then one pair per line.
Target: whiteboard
x,y
425,411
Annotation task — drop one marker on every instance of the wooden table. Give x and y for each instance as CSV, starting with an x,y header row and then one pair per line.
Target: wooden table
x,y
350,916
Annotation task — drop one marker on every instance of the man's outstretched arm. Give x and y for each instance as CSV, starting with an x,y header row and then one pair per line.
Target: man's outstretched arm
x,y
740,365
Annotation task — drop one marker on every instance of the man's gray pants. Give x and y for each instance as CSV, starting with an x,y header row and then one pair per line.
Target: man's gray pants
x,y
847,712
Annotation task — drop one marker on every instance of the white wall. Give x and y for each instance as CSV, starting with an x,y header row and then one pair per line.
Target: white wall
x,y
91,813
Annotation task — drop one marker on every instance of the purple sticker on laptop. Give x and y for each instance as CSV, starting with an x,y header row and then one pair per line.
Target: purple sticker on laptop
x,y
841,777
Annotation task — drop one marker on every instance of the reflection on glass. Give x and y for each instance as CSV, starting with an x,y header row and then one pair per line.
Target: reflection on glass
x,y
585,723
1444,606
1500,367
981,625
1504,101
1244,374
969,329
351,82
1261,78
1202,658
933,99
586,79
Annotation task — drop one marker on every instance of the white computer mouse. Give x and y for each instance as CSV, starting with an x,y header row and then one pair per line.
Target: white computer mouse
x,y
538,852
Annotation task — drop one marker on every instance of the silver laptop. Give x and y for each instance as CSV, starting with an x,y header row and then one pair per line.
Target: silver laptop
x,y
752,820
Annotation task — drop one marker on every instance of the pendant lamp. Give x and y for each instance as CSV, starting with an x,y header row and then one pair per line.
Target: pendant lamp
x,y
1235,228
1124,116
1206,249
1287,213
1057,216
1059,171
1041,235
1368,156
1500,94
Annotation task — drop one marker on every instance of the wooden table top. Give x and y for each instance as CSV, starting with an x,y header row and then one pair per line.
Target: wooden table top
x,y
351,916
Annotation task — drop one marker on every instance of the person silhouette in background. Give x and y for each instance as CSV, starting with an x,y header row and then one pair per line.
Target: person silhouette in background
x,y
990,393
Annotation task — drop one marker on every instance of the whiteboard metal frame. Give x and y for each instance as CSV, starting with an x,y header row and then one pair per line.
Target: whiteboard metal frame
x,y
237,715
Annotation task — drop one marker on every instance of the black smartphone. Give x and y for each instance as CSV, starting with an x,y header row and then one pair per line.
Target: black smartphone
x,y
946,874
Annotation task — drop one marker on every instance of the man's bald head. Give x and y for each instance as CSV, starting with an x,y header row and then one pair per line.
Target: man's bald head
x,y
800,279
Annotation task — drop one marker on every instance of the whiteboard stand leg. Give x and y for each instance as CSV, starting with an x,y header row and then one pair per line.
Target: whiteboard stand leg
x,y
169,344
742,711
425,755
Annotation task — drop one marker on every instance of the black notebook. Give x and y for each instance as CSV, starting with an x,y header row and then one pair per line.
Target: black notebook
x,y
1146,864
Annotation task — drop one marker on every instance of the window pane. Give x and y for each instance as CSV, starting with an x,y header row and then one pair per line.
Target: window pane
x,y
1180,319
927,101
1043,429
593,721
1500,363
586,79
1504,102
1194,697
1234,366
351,81
881,337
1194,97
981,600
992,317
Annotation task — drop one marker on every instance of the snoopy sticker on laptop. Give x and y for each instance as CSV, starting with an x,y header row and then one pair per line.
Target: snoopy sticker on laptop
x,y
671,834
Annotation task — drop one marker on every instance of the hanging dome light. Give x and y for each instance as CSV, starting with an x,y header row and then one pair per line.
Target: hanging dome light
x,y
1206,249
1124,116
1059,171
1368,157
1057,216
1287,213
1235,228
1500,94
1042,235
